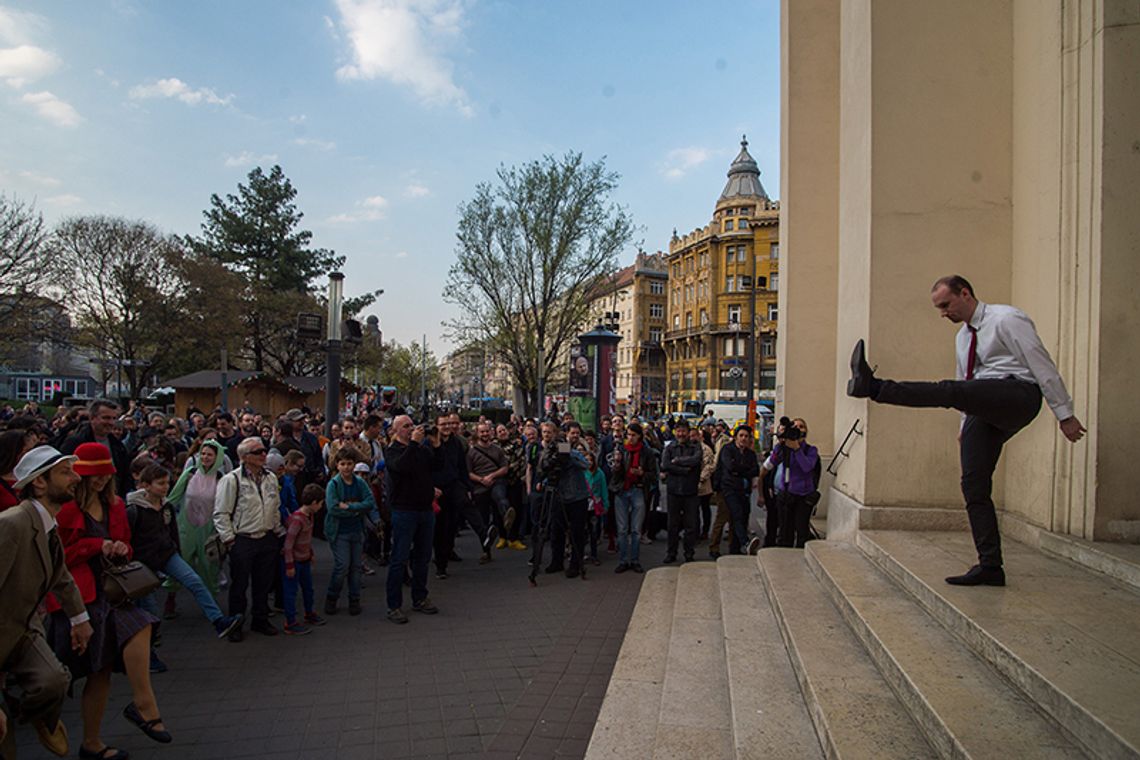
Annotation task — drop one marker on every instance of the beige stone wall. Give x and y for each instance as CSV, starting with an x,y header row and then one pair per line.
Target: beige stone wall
x,y
996,139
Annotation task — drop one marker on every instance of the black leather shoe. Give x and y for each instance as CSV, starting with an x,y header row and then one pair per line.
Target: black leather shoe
x,y
979,576
162,736
669,559
264,627
862,376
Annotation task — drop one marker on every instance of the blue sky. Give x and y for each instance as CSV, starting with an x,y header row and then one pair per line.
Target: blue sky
x,y
384,114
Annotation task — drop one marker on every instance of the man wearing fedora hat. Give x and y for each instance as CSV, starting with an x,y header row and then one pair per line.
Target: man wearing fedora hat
x,y
31,565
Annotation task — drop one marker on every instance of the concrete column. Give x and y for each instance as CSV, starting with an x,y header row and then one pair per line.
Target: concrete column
x,y
924,190
809,201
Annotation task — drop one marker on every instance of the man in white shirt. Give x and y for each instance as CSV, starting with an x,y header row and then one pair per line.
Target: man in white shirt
x,y
1003,370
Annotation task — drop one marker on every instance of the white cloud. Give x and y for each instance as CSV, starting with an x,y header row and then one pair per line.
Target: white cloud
x,y
176,88
26,63
680,161
65,200
39,179
298,119
368,210
53,109
17,27
312,142
403,41
416,190
246,158
402,255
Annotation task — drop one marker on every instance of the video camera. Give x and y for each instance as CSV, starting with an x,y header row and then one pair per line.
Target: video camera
x,y
788,431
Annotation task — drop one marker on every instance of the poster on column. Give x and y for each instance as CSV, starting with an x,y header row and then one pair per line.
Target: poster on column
x,y
582,402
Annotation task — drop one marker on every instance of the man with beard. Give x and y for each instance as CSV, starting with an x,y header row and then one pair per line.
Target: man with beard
x,y
31,565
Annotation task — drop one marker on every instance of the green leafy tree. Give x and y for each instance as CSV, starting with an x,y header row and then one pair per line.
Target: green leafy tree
x,y
256,235
25,270
531,249
392,363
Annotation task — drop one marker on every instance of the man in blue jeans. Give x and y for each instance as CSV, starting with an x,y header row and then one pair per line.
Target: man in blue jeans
x,y
634,468
410,465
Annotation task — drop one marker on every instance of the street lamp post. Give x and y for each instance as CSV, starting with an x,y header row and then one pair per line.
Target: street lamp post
x,y
333,351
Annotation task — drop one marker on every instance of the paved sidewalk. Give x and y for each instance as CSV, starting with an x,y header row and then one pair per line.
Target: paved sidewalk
x,y
504,671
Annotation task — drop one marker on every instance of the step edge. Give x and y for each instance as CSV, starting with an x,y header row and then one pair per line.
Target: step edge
x,y
1091,734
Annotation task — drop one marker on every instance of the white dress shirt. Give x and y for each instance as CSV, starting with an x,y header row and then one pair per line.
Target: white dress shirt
x,y
49,525
1008,346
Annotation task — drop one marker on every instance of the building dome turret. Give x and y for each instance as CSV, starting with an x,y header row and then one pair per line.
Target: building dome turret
x,y
743,178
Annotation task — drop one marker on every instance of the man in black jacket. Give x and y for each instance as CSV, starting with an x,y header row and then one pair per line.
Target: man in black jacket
x,y
97,429
736,467
411,465
681,469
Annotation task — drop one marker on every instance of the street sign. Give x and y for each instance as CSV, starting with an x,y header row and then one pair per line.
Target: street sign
x,y
310,326
734,362
736,372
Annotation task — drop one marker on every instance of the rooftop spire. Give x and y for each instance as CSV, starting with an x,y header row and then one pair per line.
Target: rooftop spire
x,y
743,176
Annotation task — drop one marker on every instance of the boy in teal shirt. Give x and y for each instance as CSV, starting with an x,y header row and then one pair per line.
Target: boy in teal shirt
x,y
347,499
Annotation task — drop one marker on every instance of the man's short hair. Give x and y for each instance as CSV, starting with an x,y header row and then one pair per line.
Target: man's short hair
x,y
101,403
573,424
249,444
226,416
634,427
372,420
292,456
956,282
312,494
151,472
681,425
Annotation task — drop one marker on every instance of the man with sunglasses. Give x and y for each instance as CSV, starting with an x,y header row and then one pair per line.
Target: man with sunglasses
x,y
247,519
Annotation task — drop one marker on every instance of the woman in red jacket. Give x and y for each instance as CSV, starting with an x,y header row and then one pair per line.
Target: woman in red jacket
x,y
92,528
13,445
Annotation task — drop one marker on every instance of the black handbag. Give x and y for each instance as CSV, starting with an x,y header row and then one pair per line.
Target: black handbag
x,y
126,582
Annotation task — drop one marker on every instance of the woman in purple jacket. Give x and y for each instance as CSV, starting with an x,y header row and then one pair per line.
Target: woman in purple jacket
x,y
795,462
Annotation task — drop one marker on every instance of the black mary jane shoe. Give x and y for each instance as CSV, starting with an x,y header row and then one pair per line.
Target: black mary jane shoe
x,y
118,754
131,713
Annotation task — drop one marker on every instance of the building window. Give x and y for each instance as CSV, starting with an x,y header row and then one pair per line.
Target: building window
x,y
727,225
675,380
730,284
656,310
676,321
657,288
745,283
774,252
688,378
742,254
730,254
654,334
761,283
767,347
677,270
702,349
767,379
689,319
745,211
704,259
773,312
702,380
730,347
685,351
734,315
742,224
27,389
704,317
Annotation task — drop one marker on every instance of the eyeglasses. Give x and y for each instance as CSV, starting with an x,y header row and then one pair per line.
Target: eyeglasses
x,y
258,451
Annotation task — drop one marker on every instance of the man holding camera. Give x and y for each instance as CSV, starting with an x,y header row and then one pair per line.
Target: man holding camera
x,y
681,468
411,463
794,461
634,468
562,483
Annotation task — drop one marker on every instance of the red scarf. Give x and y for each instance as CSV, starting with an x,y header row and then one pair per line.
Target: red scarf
x,y
634,462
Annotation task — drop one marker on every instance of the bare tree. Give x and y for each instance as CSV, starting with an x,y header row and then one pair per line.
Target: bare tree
x,y
530,252
122,283
25,272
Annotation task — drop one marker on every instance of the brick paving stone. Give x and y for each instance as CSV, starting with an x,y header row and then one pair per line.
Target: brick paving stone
x,y
505,670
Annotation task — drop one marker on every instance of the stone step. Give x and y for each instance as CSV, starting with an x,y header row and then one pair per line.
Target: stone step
x,y
855,712
1064,635
1118,561
769,716
696,716
627,720
965,708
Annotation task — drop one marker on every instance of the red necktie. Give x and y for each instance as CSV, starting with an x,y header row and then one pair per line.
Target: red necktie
x,y
973,358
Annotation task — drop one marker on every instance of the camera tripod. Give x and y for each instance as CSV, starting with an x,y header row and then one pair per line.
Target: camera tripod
x,y
550,501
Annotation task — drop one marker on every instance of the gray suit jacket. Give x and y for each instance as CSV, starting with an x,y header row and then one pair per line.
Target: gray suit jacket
x,y
27,574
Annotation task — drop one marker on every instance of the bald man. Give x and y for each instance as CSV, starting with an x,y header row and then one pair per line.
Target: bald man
x,y
412,457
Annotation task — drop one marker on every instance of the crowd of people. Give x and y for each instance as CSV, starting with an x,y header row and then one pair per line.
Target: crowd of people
x,y
232,502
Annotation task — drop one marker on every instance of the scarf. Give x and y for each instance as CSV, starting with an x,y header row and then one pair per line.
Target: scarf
x,y
634,463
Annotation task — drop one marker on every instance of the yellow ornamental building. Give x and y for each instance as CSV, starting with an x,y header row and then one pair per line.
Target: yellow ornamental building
x,y
723,285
